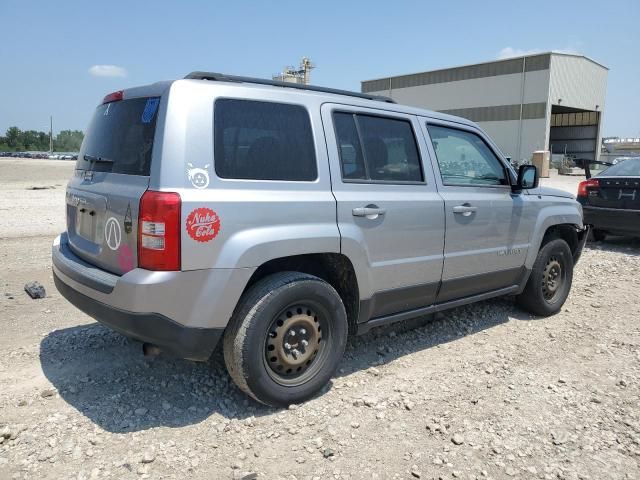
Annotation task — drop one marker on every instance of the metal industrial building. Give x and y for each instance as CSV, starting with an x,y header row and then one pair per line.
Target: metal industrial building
x,y
550,101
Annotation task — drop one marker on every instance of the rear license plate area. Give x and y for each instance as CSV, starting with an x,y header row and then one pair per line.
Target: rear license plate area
x,y
86,224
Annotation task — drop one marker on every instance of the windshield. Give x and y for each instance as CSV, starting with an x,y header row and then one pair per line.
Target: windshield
x,y
120,137
627,168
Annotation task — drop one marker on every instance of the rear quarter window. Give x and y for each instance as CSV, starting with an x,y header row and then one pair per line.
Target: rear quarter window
x,y
256,140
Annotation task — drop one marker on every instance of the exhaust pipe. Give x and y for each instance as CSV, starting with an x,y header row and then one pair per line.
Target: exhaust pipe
x,y
150,350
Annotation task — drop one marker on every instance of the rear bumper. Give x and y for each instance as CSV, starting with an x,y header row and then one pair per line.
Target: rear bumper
x,y
613,220
184,342
182,312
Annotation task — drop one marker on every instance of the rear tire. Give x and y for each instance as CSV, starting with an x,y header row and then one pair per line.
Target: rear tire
x,y
285,338
550,281
599,235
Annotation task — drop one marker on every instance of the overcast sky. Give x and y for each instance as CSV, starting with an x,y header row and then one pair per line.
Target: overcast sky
x,y
61,58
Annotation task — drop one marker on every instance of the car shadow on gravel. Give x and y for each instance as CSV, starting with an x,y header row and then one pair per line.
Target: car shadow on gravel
x,y
386,344
106,378
625,245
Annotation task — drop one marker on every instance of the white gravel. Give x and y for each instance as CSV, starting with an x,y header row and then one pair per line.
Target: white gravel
x,y
481,392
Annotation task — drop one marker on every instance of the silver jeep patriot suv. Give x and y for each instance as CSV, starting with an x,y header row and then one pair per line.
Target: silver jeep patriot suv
x,y
283,218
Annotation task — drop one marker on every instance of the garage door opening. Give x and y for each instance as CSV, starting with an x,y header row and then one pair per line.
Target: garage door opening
x,y
574,132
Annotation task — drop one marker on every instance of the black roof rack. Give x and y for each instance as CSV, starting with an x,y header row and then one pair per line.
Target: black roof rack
x,y
221,77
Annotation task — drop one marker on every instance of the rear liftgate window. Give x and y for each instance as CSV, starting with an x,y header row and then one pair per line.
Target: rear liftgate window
x,y
263,141
120,137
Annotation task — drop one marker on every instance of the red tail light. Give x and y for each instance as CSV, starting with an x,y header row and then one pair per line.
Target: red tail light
x,y
159,231
582,186
113,97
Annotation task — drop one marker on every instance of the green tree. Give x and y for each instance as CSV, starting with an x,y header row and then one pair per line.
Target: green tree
x,y
17,140
68,141
13,137
43,141
29,140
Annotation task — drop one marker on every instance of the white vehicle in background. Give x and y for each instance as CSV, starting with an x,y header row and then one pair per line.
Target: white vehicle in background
x,y
621,159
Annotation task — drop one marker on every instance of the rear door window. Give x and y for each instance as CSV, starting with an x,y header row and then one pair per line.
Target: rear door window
x,y
256,140
120,137
374,148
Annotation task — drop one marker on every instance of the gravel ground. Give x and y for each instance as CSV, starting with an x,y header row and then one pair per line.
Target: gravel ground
x,y
484,391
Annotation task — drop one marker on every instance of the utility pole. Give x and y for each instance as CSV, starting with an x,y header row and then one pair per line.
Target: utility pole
x,y
50,134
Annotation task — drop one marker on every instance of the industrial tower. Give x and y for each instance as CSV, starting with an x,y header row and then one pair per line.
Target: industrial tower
x,y
302,74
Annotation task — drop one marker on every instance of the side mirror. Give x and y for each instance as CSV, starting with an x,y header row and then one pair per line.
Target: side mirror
x,y
527,178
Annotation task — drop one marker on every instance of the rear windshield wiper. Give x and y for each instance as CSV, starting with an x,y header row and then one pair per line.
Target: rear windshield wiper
x,y
94,159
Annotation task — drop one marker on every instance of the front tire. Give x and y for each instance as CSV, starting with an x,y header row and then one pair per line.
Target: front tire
x,y
550,281
285,338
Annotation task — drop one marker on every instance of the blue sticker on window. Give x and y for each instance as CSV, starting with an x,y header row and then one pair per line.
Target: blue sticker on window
x,y
150,109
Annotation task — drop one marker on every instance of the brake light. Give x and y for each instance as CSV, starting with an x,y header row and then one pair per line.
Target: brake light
x,y
113,97
582,186
159,231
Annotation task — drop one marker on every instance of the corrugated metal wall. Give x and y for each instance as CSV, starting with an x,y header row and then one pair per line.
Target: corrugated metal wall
x,y
469,72
505,135
579,82
500,112
480,92
491,94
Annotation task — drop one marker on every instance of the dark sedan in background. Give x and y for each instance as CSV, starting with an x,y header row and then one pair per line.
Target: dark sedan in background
x,y
611,200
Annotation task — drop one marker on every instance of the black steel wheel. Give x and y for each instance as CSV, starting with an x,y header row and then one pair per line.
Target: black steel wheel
x,y
286,338
553,278
293,346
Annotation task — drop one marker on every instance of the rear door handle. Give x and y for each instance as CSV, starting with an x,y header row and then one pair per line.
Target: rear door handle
x,y
464,209
370,211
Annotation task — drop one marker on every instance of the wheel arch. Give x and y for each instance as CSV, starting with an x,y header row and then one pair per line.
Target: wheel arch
x,y
334,268
563,222
566,232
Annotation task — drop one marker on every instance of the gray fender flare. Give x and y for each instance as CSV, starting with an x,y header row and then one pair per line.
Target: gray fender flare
x,y
548,217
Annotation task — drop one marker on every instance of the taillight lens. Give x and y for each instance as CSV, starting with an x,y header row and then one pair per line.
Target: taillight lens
x,y
113,97
159,231
584,185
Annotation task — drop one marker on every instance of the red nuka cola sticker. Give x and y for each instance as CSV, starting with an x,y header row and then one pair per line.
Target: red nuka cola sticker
x,y
203,224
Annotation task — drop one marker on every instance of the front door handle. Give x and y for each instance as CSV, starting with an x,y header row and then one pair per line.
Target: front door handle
x,y
465,209
370,211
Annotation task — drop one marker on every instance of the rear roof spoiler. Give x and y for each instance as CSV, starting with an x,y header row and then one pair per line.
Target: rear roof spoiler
x,y
221,77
